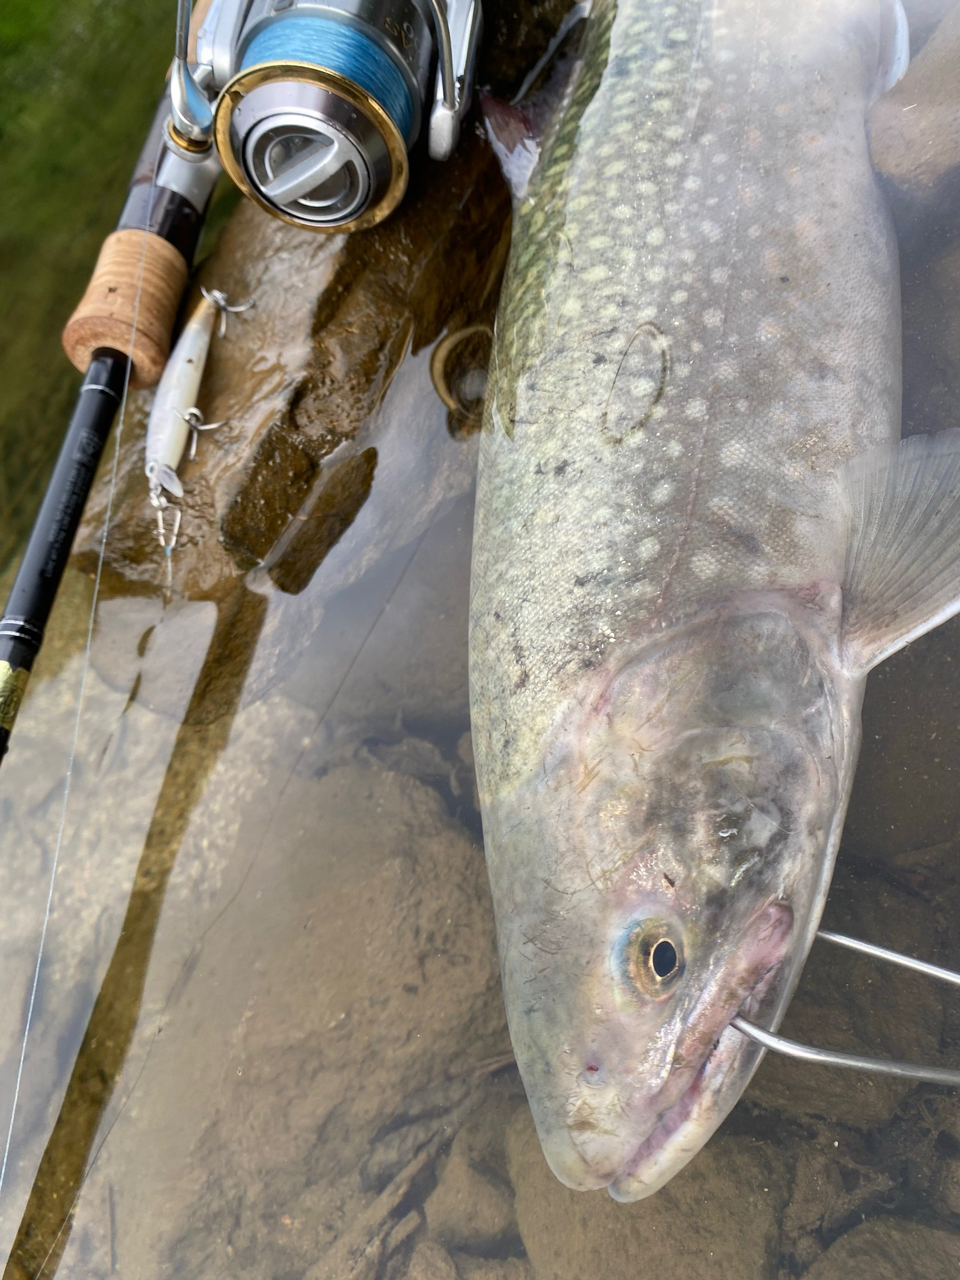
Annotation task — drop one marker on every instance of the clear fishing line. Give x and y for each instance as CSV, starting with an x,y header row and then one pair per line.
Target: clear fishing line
x,y
31,1003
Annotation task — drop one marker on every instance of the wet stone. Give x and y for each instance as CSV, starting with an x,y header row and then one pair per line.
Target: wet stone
x,y
913,129
470,1268
890,1250
469,1209
415,1123
817,1184
950,1187
413,757
719,1216
430,1261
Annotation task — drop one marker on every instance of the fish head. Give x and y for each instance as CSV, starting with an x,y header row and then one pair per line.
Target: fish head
x,y
690,808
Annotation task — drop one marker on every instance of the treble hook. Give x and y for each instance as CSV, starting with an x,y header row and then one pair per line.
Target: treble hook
x,y
194,420
219,300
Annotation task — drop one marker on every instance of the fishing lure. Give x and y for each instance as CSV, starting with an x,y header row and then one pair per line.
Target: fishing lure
x,y
175,421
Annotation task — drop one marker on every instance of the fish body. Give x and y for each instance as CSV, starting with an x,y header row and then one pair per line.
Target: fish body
x,y
174,405
695,533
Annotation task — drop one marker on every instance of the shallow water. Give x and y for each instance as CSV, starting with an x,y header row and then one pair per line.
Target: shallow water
x,y
268,1038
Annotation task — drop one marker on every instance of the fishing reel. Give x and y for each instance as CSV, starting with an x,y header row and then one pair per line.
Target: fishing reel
x,y
313,105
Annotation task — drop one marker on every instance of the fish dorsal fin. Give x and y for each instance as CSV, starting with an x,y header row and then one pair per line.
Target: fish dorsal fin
x,y
902,574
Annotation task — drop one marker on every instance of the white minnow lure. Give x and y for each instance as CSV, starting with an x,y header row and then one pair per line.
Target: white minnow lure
x,y
174,417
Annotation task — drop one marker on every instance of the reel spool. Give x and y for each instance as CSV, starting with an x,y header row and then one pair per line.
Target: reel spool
x,y
319,103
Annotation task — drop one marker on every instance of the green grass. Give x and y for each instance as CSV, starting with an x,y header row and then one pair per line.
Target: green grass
x,y
79,82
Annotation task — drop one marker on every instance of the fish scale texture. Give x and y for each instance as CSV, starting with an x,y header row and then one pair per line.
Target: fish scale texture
x,y
699,325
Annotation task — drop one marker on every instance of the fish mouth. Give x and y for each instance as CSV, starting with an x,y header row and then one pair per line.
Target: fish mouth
x,y
686,1124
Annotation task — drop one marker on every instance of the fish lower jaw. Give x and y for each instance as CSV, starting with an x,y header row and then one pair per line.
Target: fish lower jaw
x,y
647,1171
689,1123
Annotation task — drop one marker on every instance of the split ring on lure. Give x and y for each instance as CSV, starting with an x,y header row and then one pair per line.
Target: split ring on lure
x,y
174,419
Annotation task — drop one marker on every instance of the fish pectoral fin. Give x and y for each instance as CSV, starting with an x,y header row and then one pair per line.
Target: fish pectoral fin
x,y
513,142
167,477
517,129
902,573
894,46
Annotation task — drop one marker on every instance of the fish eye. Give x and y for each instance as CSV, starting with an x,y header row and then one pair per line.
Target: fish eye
x,y
653,957
664,959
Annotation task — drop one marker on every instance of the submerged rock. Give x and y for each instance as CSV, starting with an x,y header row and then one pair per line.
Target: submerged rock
x,y
718,1217
915,127
890,1250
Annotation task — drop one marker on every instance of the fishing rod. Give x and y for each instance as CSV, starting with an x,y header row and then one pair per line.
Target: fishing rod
x,y
119,334
312,109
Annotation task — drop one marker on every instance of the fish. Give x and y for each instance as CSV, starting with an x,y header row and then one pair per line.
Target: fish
x,y
697,529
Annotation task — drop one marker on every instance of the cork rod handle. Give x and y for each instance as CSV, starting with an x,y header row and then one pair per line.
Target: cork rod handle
x,y
130,304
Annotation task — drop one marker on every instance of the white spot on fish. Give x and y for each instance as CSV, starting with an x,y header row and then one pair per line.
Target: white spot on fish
x,y
647,549
769,331
720,275
654,274
713,318
695,410
704,564
594,274
673,449
662,493
656,235
679,296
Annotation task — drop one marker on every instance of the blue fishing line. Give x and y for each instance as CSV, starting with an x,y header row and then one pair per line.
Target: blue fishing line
x,y
334,46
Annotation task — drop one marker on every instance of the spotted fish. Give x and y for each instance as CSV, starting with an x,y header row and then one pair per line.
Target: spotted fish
x,y
696,532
